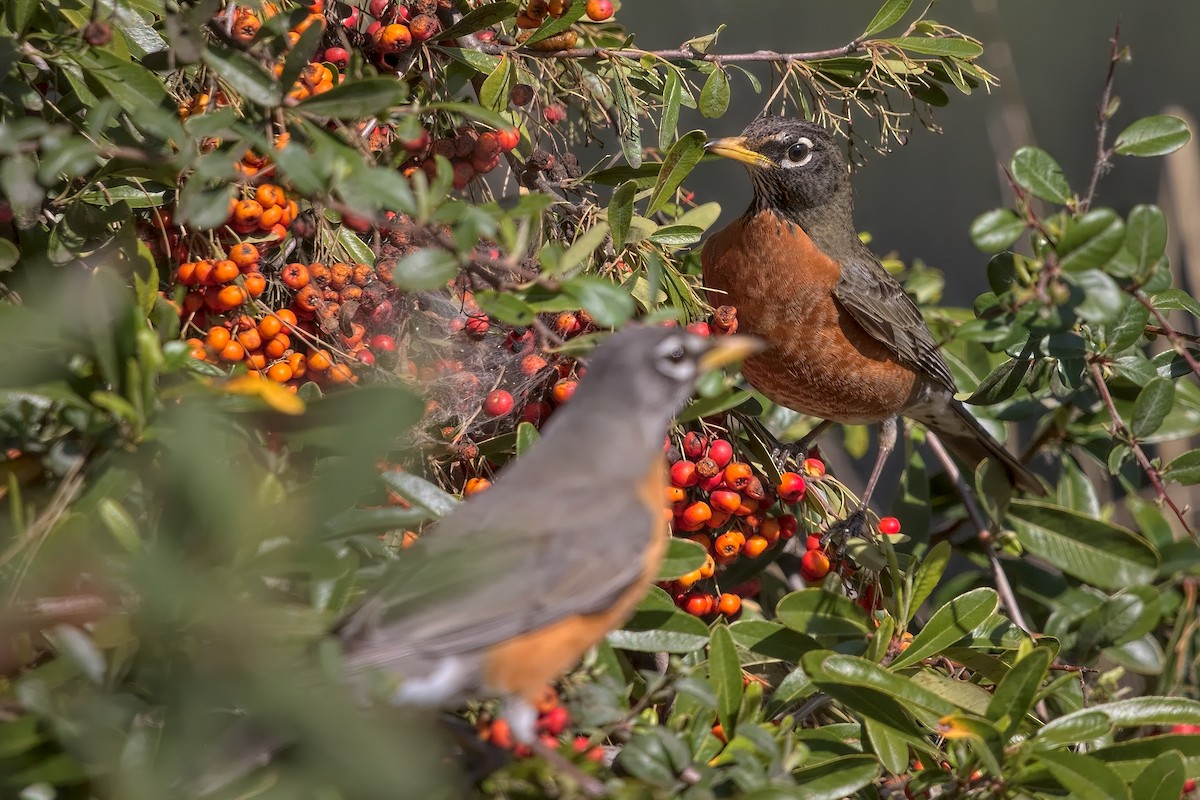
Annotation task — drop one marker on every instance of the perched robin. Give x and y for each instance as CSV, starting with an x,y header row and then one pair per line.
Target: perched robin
x,y
507,592
844,341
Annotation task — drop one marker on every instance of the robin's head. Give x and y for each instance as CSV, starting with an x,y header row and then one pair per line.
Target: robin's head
x,y
649,372
794,164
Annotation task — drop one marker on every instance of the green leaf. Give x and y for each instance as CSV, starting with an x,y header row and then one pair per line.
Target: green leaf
x,y
527,437
1084,776
355,247
854,671
420,492
505,307
837,778
1146,235
714,97
629,130
772,639
1184,468
1002,382
120,524
819,613
1122,618
609,304
1163,779
1152,136
683,556
657,626
354,99
556,25
672,95
1105,555
493,93
204,208
620,212
136,88
888,15
682,157
927,576
949,624
1103,301
725,675
480,18
952,47
996,229
9,255
427,268
247,77
1090,241
1016,692
1037,172
1153,404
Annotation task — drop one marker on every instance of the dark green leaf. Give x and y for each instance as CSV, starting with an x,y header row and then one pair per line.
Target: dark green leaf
x,y
1015,694
683,155
1163,779
819,613
771,639
1090,241
996,229
247,77
1129,327
677,235
556,25
1085,776
683,556
1153,404
1103,300
1002,382
672,94
927,576
1105,555
609,304
854,671
837,778
1184,468
428,268
364,97
480,18
1146,235
620,212
951,47
1036,171
949,624
629,130
420,492
725,675
714,97
505,307
1152,136
527,437
493,93
888,15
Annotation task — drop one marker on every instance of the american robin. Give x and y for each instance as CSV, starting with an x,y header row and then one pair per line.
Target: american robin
x,y
844,341
507,592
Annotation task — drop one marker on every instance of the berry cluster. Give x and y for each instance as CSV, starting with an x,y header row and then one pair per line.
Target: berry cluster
x,y
469,150
552,723
264,210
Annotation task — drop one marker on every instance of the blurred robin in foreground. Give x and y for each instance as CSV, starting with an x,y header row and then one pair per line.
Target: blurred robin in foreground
x,y
507,592
844,341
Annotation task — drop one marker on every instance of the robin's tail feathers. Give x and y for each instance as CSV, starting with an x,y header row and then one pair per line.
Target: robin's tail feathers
x,y
970,442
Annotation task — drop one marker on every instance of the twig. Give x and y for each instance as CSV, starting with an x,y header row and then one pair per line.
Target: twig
x,y
1103,114
1138,452
1172,335
1159,331
685,53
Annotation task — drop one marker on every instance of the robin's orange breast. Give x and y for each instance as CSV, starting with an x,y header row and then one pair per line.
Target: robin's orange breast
x,y
525,664
819,361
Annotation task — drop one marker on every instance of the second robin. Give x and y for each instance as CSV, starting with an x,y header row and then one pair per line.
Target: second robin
x,y
845,343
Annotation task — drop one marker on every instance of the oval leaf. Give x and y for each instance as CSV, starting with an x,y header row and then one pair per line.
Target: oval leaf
x,y
1152,136
949,624
714,97
683,155
1153,404
996,229
682,557
367,97
1037,172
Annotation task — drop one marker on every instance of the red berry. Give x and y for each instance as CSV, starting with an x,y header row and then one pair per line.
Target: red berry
x,y
814,565
694,445
725,500
813,467
813,542
536,413
563,390
889,526
721,452
500,734
791,487
599,10
498,403
713,482
697,513
365,356
554,721
377,8
555,113
338,56
463,173
383,342
683,474
787,526
509,138
478,325
699,329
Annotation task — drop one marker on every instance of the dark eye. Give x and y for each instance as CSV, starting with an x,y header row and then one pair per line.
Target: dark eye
x,y
676,355
800,151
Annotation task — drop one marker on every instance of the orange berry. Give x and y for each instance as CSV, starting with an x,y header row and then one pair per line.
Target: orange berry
x,y
770,530
674,494
232,352
250,339
217,338
738,475
270,218
725,500
563,390
287,317
280,372
298,363
186,274
256,284
729,604
340,373
230,297
319,361
729,544
814,565
247,212
475,486
278,346
257,360
697,513
689,579
243,254
203,273
289,213
755,546
708,568
295,275
269,326
224,271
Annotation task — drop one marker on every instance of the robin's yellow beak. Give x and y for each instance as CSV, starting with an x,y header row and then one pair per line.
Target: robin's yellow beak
x,y
735,147
728,349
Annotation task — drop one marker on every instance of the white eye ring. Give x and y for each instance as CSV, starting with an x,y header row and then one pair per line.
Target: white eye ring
x,y
805,147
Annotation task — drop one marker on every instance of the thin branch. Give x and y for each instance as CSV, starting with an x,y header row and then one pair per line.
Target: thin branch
x,y
685,53
1160,331
1173,335
1140,454
1103,114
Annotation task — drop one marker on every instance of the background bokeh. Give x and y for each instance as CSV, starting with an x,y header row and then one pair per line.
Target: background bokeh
x,y
920,199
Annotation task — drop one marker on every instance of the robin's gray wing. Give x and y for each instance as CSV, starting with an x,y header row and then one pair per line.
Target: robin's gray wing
x,y
880,305
483,580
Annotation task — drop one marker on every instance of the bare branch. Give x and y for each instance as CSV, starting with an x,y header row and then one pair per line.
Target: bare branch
x,y
1103,115
679,53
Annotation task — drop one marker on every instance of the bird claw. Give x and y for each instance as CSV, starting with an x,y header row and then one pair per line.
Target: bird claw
x,y
845,529
795,452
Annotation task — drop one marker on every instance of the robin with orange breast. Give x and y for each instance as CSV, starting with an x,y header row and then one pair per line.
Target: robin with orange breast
x,y
507,592
845,343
